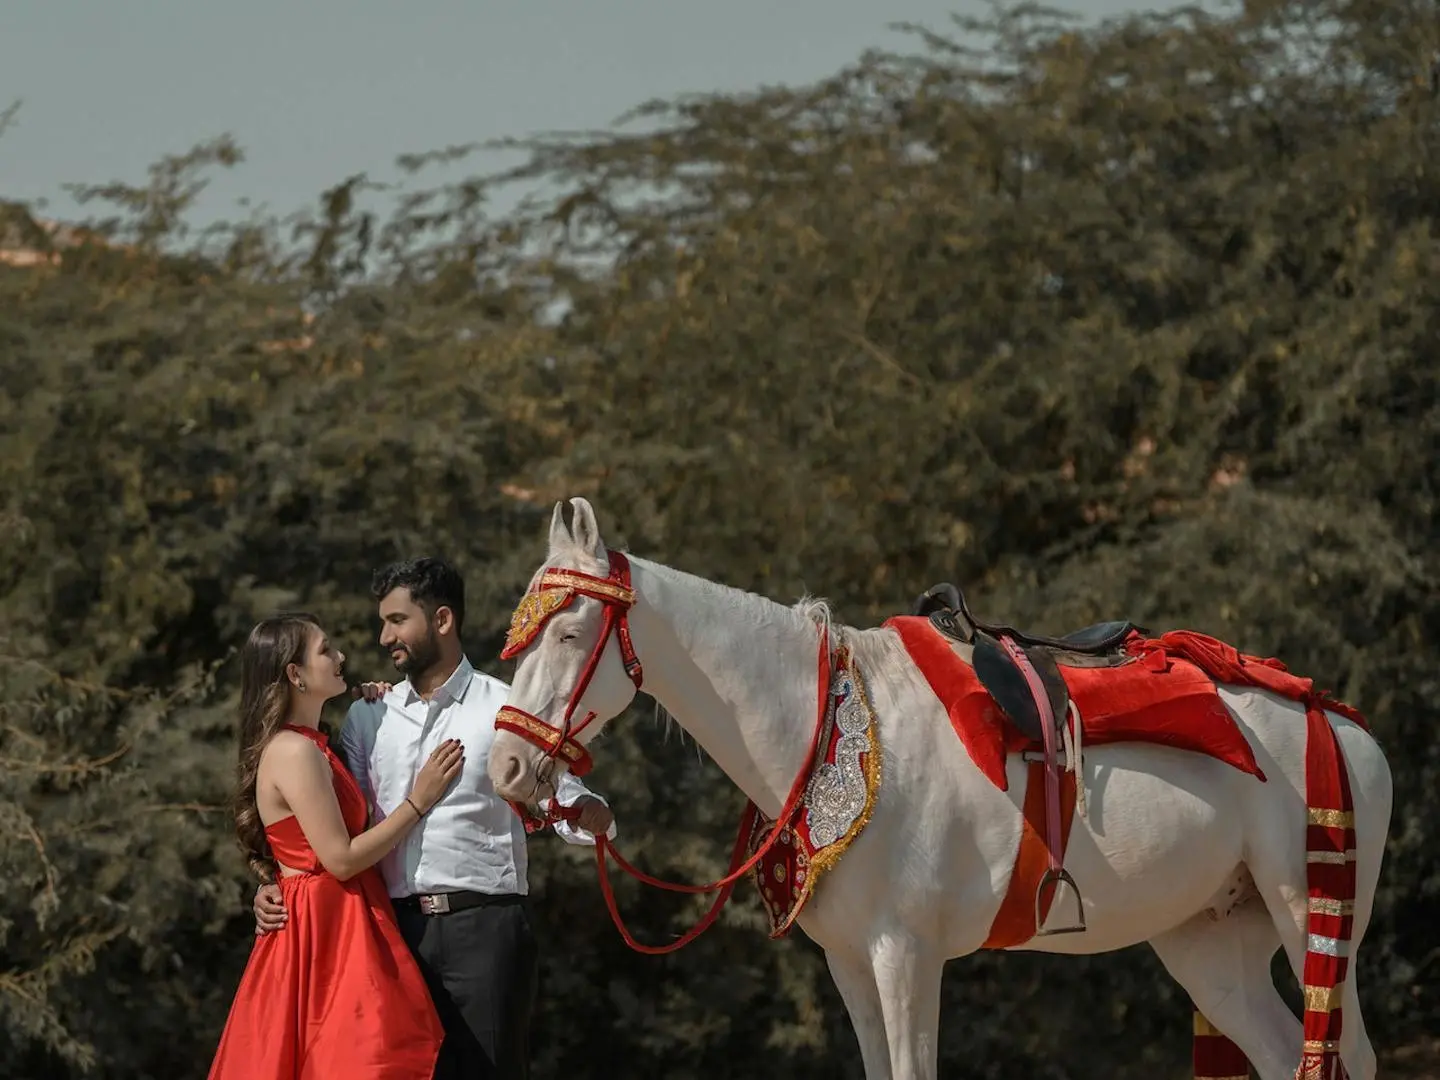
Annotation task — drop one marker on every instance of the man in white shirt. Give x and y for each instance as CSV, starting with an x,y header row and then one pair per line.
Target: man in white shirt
x,y
458,880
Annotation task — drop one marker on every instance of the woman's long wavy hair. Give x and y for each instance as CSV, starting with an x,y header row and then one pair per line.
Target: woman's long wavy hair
x,y
273,645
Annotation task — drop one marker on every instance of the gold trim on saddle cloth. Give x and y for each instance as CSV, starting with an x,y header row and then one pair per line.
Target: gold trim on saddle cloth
x,y
838,802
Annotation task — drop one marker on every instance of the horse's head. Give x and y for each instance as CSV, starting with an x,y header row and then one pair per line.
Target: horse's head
x,y
576,667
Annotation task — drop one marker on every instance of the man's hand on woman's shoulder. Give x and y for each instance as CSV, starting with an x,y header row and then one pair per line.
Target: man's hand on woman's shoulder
x,y
370,691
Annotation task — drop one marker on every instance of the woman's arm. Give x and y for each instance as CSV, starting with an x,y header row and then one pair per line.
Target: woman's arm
x,y
301,773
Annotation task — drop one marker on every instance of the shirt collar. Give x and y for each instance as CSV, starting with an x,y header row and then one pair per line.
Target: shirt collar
x,y
452,689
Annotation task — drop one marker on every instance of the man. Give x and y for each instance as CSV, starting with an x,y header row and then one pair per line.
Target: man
x,y
458,881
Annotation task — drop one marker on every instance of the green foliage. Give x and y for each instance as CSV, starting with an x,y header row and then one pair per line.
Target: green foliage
x,y
1132,319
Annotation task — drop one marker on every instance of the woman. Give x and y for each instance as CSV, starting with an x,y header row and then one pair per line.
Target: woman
x,y
335,993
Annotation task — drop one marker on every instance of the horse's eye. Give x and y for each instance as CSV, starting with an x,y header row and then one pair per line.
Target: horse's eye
x,y
570,636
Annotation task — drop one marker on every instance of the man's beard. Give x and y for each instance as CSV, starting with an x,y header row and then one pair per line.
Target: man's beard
x,y
419,658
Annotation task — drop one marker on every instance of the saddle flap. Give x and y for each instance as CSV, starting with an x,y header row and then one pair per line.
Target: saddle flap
x,y
1007,686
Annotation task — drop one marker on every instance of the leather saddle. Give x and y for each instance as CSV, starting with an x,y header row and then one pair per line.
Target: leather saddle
x,y
1021,673
993,658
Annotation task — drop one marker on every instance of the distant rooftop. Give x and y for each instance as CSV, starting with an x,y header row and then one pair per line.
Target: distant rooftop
x,y
19,249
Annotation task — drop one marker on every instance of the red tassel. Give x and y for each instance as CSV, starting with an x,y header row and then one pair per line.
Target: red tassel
x,y
1330,873
1215,1056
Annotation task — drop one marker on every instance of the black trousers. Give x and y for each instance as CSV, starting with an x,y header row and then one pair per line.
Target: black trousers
x,y
482,967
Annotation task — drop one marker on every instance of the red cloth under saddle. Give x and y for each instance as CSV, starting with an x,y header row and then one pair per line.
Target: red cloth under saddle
x,y
1164,697
1227,664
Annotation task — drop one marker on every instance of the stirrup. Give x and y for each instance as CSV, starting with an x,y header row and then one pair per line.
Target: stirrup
x,y
1058,878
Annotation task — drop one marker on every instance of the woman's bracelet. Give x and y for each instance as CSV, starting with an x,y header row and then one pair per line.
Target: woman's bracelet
x,y
414,807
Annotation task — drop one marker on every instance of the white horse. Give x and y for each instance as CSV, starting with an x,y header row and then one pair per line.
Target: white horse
x,y
1158,845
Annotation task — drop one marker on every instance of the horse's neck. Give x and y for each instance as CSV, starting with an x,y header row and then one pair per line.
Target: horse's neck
x,y
736,671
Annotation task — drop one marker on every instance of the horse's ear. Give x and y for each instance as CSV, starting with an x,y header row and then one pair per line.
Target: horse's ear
x,y
559,535
587,530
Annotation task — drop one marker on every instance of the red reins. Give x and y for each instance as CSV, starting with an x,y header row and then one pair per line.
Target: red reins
x,y
618,596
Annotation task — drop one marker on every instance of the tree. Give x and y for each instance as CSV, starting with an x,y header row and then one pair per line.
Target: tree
x,y
1120,319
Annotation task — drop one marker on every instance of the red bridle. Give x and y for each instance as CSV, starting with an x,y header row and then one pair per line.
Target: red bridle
x,y
555,591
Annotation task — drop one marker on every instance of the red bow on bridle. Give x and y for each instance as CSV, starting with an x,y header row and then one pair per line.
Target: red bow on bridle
x,y
555,591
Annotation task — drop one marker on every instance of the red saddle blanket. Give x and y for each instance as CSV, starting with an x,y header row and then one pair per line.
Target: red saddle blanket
x,y
1165,695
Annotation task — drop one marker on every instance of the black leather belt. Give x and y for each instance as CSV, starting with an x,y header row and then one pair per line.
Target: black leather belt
x,y
447,902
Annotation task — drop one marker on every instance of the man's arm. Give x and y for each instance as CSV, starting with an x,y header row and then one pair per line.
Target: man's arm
x,y
568,792
357,736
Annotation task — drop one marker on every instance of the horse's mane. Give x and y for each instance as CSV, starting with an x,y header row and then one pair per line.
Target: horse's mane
x,y
808,609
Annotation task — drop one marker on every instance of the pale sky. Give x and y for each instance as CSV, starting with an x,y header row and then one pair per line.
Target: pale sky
x,y
315,90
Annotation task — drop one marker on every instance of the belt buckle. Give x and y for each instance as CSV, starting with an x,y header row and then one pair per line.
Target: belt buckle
x,y
435,904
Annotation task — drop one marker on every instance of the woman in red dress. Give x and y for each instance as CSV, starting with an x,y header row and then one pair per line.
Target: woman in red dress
x,y
336,993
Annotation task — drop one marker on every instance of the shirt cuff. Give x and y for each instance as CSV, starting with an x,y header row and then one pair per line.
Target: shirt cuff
x,y
569,831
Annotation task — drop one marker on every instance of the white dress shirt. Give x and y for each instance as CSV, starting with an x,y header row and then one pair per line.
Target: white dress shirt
x,y
472,840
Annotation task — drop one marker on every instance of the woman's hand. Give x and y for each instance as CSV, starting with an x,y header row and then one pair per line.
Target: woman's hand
x,y
436,775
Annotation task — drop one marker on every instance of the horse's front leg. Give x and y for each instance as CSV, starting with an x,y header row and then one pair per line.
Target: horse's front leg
x,y
907,975
855,979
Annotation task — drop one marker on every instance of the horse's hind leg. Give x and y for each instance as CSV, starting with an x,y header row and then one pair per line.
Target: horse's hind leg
x,y
1287,904
1224,966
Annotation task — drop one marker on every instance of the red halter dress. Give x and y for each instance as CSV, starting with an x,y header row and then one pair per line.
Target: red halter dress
x,y
335,992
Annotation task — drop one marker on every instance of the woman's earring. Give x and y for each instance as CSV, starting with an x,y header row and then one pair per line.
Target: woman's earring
x,y
301,685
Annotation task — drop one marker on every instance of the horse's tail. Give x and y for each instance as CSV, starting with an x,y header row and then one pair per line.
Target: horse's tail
x,y
1330,881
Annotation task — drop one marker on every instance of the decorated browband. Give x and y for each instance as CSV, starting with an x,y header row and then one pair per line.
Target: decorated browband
x,y
555,591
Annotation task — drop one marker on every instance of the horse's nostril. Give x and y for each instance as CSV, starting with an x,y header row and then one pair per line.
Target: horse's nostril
x,y
511,776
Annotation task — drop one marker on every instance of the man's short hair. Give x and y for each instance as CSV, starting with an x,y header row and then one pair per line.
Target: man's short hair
x,y
432,584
